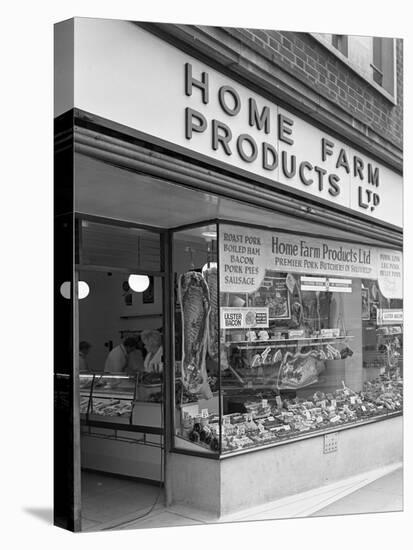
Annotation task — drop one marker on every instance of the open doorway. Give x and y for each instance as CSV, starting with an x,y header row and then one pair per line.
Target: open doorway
x,y
121,364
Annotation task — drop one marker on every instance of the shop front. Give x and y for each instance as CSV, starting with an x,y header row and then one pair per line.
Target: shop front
x,y
266,340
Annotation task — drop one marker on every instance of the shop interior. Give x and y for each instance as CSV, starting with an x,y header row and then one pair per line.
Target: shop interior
x,y
230,404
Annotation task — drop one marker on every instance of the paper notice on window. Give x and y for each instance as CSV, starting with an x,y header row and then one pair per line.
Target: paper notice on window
x,y
390,273
389,316
244,317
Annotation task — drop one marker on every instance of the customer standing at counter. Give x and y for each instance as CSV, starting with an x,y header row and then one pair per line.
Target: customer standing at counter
x,y
84,348
152,341
118,358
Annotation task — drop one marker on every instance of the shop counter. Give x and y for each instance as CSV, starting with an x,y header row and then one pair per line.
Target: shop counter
x,y
129,446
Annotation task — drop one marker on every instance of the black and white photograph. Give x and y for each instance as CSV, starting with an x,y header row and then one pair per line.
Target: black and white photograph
x,y
215,167
226,221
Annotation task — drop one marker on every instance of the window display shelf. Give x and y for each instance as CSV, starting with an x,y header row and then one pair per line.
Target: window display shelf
x,y
274,420
113,393
288,342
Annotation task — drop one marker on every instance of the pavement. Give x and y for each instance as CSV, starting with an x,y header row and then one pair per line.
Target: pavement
x,y
113,503
383,495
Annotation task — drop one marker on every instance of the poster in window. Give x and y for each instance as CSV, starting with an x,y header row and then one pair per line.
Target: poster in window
x,y
148,296
274,294
365,304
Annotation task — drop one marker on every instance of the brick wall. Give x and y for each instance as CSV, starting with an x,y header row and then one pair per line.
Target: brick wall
x,y
306,59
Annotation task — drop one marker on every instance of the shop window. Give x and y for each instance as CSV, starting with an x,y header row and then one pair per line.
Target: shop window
x,y
197,404
371,57
310,337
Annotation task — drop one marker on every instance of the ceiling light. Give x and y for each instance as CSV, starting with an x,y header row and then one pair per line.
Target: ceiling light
x,y
209,234
65,290
209,265
82,290
138,283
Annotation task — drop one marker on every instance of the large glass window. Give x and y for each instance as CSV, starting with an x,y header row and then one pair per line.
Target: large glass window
x,y
310,336
197,406
296,335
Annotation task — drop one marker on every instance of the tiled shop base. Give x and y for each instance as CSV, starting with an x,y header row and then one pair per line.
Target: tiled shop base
x,y
112,503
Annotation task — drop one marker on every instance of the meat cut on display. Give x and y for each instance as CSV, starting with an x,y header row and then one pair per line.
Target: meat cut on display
x,y
211,277
194,298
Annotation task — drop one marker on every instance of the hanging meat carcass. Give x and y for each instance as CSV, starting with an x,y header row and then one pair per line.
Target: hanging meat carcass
x,y
211,277
195,304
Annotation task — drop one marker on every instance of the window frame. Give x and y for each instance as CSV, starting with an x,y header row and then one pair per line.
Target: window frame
x,y
392,97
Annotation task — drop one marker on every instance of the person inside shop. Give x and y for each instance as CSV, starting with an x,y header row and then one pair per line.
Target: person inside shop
x,y
136,357
84,348
118,358
152,340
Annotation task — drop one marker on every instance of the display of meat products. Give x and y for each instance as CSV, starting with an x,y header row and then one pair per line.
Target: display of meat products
x,y
193,295
277,356
211,277
333,351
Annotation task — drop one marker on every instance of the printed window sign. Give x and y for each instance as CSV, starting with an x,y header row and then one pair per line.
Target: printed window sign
x,y
314,283
389,316
339,285
247,254
244,317
330,332
390,274
325,284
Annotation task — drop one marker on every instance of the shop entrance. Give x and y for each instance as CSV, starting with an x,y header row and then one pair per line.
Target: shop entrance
x,y
121,362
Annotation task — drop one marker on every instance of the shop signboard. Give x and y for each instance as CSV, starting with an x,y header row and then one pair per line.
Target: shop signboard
x,y
194,107
247,254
